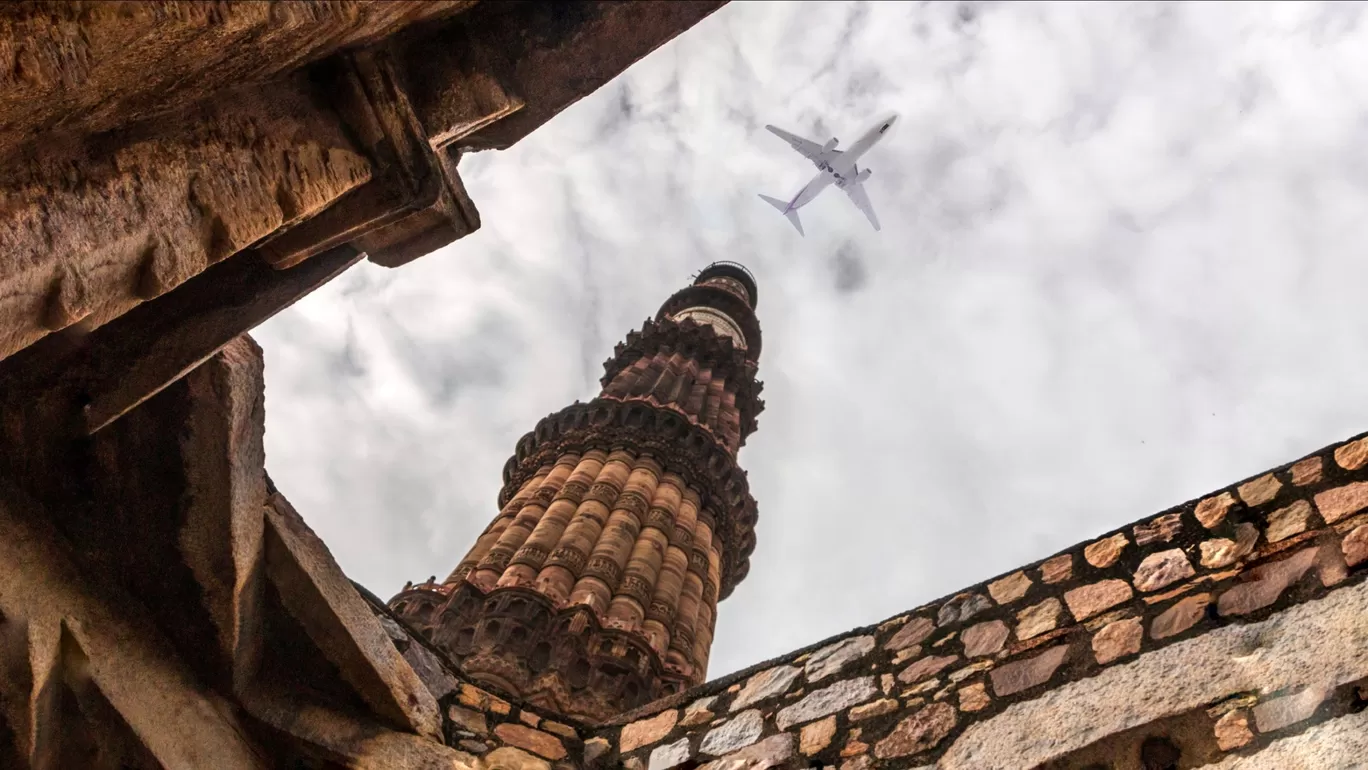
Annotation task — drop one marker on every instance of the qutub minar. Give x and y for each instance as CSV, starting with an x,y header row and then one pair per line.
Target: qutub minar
x,y
623,521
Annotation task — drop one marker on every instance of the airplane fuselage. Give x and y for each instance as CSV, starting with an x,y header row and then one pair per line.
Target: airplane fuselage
x,y
840,168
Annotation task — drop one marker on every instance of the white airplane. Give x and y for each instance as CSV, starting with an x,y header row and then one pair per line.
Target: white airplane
x,y
836,167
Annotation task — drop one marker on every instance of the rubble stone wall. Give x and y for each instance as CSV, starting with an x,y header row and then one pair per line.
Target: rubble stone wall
x,y
1231,627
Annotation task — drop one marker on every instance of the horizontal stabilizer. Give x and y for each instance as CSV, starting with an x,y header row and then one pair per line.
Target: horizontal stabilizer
x,y
789,214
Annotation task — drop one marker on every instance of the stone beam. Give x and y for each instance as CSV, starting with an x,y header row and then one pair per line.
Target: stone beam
x,y
547,56
81,68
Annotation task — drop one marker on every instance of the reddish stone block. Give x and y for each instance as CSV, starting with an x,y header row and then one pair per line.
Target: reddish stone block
x,y
535,741
1353,455
1022,675
921,731
1260,490
1355,546
1180,617
1117,640
985,638
914,632
1266,584
1086,601
1335,504
1212,511
1105,552
924,668
1307,471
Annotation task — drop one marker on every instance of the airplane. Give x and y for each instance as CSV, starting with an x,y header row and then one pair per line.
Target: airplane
x,y
838,167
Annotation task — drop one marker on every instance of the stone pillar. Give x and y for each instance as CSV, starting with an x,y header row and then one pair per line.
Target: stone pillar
x,y
622,523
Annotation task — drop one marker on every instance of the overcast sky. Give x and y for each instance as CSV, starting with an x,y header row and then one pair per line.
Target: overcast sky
x,y
1123,262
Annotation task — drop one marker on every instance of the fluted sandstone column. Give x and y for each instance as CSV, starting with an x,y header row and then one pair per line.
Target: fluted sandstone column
x,y
623,521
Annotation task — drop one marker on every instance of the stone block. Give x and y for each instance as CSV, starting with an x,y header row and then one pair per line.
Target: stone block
x,y
926,667
1086,601
740,731
1117,640
1307,471
467,719
1260,490
1212,511
670,755
1288,710
870,710
1335,504
1353,455
1222,552
830,659
699,712
1038,618
826,701
984,638
1162,569
1355,546
1232,730
644,732
1022,675
1288,521
973,697
766,684
960,609
1180,617
1266,583
535,741
913,632
919,732
1104,553
1010,588
817,736
1159,528
1057,569
774,751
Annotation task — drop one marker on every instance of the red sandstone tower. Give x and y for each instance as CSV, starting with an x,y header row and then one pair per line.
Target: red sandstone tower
x,y
622,523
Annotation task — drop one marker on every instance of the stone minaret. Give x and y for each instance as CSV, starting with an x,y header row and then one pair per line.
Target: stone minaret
x,y
622,521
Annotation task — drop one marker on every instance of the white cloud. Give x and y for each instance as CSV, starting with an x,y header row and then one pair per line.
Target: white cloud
x,y
1121,266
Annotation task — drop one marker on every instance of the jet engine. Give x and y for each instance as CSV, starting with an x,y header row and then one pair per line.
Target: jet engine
x,y
829,146
863,175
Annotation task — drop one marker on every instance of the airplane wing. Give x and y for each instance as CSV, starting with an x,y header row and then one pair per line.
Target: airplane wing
x,y
810,149
857,194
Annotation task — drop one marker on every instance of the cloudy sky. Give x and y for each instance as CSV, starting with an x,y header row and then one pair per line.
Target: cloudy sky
x,y
1122,265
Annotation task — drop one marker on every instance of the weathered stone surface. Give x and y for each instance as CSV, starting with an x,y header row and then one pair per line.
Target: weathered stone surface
x,y
973,697
914,632
1180,617
1222,552
1010,588
929,666
1057,569
1281,712
1037,619
1353,455
467,719
1338,743
870,710
985,638
480,700
1024,674
564,731
1105,552
1266,583
535,741
644,732
886,682
1322,636
922,730
1162,569
960,609
1232,730
510,758
828,700
832,658
740,731
1163,528
961,674
1260,490
772,752
862,762
1335,504
1117,640
766,684
1086,601
670,755
1355,546
1212,511
817,736
1307,471
529,719
699,712
1288,521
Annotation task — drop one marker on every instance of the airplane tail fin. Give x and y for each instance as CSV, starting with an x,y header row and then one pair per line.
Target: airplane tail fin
x,y
790,214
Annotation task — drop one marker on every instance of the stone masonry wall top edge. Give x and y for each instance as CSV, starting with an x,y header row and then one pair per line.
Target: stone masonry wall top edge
x,y
1332,468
